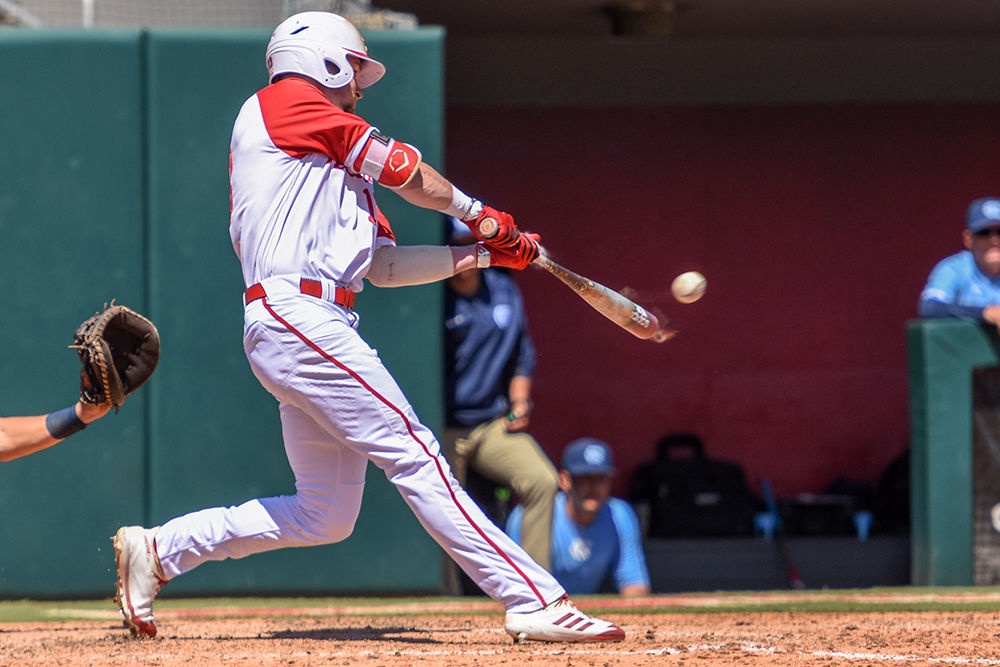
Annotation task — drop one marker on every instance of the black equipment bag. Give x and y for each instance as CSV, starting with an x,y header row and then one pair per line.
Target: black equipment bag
x,y
691,495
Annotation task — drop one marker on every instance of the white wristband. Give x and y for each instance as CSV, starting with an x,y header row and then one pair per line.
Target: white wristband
x,y
463,206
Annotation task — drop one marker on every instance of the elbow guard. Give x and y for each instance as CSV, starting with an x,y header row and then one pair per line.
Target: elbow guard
x,y
386,161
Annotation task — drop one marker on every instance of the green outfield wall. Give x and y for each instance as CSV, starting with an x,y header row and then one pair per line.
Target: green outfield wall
x,y
113,184
943,355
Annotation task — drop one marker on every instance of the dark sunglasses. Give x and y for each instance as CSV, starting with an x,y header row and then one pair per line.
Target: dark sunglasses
x,y
986,233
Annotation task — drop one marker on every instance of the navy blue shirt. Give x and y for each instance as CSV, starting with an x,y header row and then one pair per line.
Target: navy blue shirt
x,y
486,344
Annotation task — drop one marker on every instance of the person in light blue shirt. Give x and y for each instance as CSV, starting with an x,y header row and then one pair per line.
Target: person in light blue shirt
x,y
967,284
595,537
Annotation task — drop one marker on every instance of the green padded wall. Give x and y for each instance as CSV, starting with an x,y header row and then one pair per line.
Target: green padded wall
x,y
127,197
941,356
986,476
71,219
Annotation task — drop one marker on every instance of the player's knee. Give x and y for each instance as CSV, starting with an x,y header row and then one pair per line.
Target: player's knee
x,y
323,523
327,529
338,532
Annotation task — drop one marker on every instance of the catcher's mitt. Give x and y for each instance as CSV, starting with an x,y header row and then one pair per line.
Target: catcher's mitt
x,y
119,349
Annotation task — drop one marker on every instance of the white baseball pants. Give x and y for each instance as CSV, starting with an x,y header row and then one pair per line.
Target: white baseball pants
x,y
340,408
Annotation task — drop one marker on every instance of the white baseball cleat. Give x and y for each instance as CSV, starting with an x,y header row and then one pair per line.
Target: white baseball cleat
x,y
139,577
561,621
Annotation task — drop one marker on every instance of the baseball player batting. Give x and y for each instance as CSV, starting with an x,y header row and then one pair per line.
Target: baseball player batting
x,y
307,232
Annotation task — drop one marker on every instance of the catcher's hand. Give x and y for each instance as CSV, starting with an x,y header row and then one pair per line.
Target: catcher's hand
x,y
119,349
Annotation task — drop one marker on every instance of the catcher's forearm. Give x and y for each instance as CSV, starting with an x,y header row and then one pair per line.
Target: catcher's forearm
x,y
20,436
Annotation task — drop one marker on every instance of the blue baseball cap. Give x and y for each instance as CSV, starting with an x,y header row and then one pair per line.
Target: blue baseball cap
x,y
588,456
983,214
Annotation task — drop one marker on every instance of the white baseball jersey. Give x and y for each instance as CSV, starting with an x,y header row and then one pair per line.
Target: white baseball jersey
x,y
290,155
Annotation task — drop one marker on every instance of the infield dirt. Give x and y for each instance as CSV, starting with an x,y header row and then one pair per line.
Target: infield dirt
x,y
780,639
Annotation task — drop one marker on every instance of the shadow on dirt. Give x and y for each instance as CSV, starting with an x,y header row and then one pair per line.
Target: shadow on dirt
x,y
409,635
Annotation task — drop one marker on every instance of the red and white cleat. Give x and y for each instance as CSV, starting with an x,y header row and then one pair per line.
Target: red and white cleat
x,y
561,621
139,577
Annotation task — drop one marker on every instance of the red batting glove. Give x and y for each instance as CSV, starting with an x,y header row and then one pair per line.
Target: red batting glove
x,y
518,257
506,234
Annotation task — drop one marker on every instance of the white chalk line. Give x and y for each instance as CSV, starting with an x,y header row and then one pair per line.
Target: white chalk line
x,y
904,658
844,655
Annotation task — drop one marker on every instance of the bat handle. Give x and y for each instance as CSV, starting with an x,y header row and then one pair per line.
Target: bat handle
x,y
488,227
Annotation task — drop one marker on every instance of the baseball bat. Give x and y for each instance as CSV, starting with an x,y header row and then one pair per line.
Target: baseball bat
x,y
622,311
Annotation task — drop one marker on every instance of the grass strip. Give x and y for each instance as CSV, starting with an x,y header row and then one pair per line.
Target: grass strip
x,y
889,600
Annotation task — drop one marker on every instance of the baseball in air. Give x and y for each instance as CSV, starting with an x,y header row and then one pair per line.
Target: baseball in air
x,y
689,287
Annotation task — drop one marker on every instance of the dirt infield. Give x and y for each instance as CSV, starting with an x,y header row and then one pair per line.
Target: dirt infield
x,y
294,636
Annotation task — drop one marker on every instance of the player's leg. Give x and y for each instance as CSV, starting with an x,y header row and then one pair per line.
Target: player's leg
x,y
329,484
516,459
385,427
355,398
453,581
408,453
147,557
348,391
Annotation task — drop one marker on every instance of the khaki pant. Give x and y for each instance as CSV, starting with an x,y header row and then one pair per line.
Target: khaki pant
x,y
516,460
